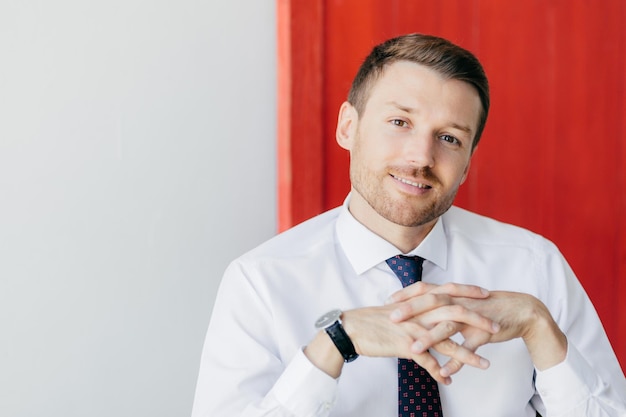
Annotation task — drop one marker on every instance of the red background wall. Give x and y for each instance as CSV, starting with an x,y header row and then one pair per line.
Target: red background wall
x,y
553,155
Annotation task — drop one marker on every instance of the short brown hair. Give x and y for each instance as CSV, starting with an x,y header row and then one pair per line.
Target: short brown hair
x,y
441,55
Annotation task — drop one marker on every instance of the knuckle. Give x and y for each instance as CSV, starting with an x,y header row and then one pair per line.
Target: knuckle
x,y
431,299
454,365
448,287
470,345
439,300
447,346
406,308
458,310
449,327
428,362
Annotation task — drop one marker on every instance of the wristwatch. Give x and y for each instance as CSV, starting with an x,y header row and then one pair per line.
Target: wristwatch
x,y
331,323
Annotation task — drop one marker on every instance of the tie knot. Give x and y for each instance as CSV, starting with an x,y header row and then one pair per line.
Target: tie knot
x,y
407,268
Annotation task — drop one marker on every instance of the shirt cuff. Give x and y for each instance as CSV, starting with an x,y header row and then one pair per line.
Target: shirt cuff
x,y
568,383
304,389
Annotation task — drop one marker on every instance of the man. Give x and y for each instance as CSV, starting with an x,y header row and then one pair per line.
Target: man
x,y
414,115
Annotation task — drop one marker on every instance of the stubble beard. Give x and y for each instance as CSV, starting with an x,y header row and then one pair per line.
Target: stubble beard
x,y
409,211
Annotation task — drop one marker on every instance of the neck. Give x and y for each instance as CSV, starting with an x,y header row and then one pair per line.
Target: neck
x,y
405,238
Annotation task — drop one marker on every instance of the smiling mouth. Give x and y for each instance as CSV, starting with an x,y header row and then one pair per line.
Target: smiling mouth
x,y
413,183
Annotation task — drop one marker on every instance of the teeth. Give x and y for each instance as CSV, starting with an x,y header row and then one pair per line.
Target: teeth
x,y
414,184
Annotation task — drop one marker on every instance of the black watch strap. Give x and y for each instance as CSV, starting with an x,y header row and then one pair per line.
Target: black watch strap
x,y
341,339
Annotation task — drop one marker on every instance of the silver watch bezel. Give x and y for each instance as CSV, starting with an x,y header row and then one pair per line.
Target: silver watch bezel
x,y
328,319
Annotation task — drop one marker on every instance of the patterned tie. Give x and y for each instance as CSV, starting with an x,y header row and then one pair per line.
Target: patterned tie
x,y
418,393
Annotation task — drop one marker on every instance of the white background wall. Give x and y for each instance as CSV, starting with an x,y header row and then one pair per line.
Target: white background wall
x,y
137,158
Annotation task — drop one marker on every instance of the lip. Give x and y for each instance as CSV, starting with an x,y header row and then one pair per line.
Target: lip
x,y
412,185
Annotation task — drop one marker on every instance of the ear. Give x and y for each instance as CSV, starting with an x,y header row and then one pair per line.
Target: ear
x,y
346,125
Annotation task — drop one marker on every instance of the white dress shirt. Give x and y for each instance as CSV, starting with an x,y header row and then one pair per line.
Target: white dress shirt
x,y
253,363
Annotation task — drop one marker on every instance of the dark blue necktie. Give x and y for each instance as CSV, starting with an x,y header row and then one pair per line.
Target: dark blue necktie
x,y
418,393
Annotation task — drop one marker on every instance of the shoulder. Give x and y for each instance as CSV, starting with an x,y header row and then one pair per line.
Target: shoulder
x,y
481,230
285,262
301,240
515,258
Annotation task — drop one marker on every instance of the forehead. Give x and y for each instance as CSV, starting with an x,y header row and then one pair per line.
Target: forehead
x,y
417,87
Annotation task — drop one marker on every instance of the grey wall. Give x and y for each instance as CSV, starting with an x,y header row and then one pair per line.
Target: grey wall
x,y
136,159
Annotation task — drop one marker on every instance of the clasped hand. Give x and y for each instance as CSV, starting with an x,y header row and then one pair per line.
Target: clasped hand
x,y
425,316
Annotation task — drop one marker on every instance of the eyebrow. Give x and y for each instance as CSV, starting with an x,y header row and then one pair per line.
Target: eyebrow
x,y
399,106
465,129
410,110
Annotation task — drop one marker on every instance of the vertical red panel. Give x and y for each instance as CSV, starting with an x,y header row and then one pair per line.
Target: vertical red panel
x,y
620,192
346,46
552,158
300,118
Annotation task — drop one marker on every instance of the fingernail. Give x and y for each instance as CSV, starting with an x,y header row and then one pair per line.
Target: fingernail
x,y
417,347
484,363
445,372
389,300
495,327
484,291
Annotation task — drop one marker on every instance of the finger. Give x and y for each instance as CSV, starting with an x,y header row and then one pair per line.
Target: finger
x,y
451,367
461,290
456,362
431,309
438,338
452,289
438,334
459,314
413,290
459,357
418,305
427,361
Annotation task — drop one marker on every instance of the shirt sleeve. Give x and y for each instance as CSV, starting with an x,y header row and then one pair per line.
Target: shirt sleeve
x,y
573,388
293,390
589,382
244,372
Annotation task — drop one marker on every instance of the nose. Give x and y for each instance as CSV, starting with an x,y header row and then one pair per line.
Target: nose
x,y
419,150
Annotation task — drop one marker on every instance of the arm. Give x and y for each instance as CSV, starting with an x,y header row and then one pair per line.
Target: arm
x,y
434,316
577,375
590,380
247,371
567,383
244,371
519,315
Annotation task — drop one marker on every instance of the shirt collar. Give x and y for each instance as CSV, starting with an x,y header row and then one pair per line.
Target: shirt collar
x,y
365,249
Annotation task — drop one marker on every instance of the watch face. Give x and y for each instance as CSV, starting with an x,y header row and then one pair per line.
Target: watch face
x,y
328,319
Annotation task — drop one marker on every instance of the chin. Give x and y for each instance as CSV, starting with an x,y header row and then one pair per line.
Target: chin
x,y
412,216
413,221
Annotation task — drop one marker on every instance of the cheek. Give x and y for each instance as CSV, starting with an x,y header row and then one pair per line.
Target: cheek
x,y
367,153
465,171
455,169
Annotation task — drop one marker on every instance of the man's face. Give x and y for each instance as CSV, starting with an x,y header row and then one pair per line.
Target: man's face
x,y
410,150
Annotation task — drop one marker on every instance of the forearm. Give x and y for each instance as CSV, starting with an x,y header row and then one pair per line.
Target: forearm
x,y
300,389
324,355
249,369
373,333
